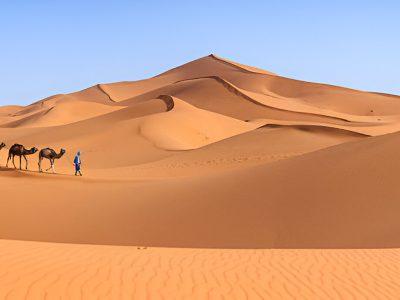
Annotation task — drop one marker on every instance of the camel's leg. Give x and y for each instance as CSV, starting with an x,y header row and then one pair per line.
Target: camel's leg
x,y
20,162
8,159
26,162
13,157
40,163
13,161
50,165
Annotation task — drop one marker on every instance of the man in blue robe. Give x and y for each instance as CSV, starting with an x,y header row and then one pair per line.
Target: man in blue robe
x,y
77,163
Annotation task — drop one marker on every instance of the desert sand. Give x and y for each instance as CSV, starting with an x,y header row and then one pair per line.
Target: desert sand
x,y
237,181
33,270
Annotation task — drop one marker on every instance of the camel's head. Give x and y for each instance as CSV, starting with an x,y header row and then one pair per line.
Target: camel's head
x,y
62,151
33,150
2,145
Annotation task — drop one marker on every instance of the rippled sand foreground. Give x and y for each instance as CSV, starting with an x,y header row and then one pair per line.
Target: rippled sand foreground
x,y
33,270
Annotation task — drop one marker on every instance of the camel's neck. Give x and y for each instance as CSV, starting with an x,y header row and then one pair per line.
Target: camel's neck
x,y
58,155
29,152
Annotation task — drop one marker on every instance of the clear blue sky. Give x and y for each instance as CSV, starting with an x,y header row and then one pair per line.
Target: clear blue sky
x,y
50,47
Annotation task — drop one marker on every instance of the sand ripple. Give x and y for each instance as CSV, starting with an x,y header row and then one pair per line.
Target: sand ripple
x,y
32,270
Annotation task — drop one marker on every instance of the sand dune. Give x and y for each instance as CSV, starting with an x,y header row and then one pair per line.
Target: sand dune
x,y
211,154
186,127
61,109
62,113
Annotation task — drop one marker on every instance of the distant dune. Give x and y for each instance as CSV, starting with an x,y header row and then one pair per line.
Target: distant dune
x,y
210,83
211,154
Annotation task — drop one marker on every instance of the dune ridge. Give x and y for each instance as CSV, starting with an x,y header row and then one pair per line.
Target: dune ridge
x,y
101,87
240,66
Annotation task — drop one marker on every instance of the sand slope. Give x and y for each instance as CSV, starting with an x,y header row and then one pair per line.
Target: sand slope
x,y
297,202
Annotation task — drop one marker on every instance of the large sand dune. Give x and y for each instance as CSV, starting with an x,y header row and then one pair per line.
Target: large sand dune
x,y
211,154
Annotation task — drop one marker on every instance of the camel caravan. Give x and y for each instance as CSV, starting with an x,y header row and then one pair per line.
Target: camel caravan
x,y
22,152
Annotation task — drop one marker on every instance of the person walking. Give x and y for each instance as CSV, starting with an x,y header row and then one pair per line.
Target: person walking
x,y
77,163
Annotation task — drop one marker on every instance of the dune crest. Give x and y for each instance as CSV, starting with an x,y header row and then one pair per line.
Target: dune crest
x,y
241,66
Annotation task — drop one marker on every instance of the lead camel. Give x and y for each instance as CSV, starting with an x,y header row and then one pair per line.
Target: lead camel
x,y
51,155
21,151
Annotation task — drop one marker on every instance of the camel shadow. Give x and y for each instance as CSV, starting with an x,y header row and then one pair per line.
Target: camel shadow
x,y
7,169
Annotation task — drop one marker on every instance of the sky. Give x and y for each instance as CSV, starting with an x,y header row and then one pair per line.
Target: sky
x,y
52,47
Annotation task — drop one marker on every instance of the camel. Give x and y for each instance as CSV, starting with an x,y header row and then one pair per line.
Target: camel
x,y
21,151
51,155
2,145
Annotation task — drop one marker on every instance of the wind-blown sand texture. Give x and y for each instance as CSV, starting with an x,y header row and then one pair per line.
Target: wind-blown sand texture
x,y
32,270
211,154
